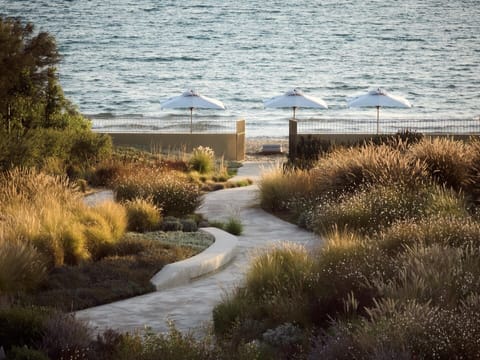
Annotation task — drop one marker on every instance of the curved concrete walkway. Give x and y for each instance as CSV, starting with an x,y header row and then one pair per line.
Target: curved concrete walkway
x,y
190,306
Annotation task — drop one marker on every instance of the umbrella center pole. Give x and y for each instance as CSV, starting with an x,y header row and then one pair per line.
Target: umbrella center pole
x,y
378,119
294,108
191,122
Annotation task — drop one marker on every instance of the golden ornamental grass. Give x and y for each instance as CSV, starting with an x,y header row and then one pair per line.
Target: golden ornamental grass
x,y
48,213
447,161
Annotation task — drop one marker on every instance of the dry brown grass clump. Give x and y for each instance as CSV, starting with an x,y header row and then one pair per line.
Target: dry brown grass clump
x,y
171,191
447,161
346,169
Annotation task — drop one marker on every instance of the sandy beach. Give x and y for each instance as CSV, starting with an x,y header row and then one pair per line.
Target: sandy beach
x,y
253,148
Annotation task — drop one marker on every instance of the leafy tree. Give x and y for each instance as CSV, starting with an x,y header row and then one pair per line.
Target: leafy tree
x,y
37,122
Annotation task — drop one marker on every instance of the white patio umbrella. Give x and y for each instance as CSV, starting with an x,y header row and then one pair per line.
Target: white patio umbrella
x,y
379,98
295,99
190,99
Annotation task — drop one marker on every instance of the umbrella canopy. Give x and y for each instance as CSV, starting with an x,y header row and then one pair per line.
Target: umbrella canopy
x,y
190,99
295,99
379,98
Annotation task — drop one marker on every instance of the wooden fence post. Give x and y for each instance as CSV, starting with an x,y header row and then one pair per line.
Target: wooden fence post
x,y
292,139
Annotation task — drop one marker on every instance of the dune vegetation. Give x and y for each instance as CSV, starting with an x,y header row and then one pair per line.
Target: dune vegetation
x,y
397,273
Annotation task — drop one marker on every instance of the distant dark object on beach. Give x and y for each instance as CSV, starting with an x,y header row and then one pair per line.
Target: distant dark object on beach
x,y
271,149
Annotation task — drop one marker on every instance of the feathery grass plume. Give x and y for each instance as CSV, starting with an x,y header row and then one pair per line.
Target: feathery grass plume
x,y
277,289
346,169
172,191
75,244
116,217
447,160
104,225
284,270
472,186
279,187
142,215
41,209
438,274
436,229
21,267
202,160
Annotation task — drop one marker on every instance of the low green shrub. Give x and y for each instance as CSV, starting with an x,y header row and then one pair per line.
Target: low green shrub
x,y
374,208
25,353
189,225
307,152
171,223
142,215
397,330
22,326
64,337
105,173
173,345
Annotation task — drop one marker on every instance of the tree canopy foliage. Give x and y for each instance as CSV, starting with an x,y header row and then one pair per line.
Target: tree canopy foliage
x,y
37,122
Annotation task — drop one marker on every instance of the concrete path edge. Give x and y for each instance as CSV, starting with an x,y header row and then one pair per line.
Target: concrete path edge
x,y
220,253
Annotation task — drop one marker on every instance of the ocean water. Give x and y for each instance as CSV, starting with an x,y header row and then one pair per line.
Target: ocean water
x,y
122,58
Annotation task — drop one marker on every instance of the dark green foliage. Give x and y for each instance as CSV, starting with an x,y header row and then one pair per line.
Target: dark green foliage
x,y
65,337
189,225
36,121
406,137
234,226
307,152
22,326
28,75
105,173
25,353
171,223
88,147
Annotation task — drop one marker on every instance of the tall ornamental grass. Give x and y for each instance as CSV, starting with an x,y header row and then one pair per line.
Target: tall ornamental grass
x,y
278,187
143,215
447,161
443,230
21,267
171,191
347,169
202,160
472,187
46,214
397,275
